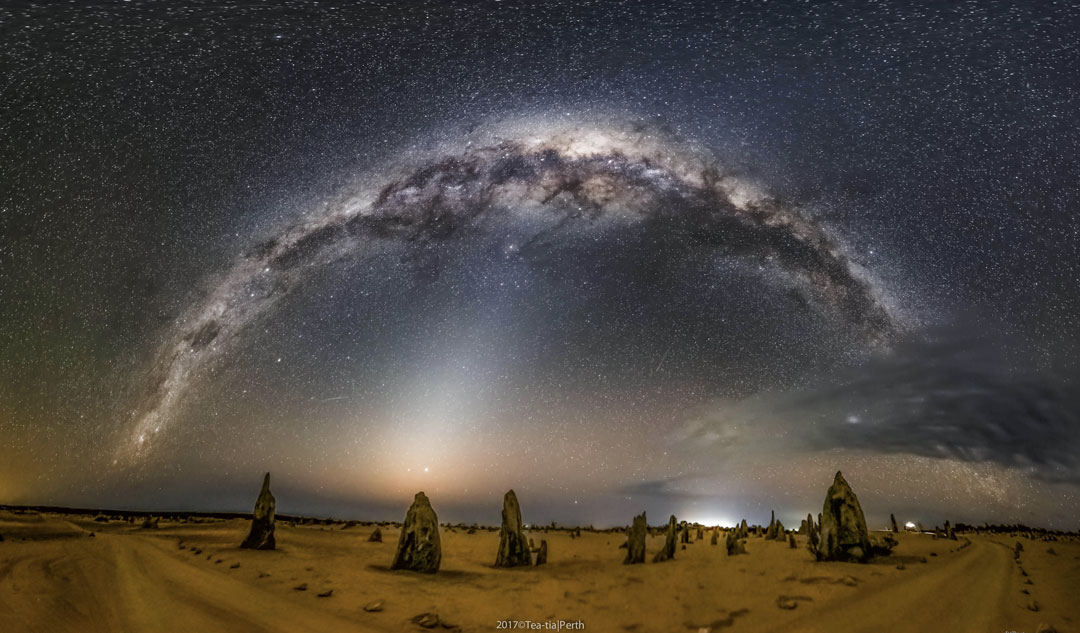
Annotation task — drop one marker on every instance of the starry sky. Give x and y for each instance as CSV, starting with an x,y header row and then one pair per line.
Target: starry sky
x,y
687,257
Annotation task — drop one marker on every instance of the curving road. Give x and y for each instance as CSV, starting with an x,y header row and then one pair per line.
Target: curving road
x,y
124,583
971,590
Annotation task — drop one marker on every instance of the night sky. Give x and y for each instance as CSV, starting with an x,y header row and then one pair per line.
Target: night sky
x,y
687,257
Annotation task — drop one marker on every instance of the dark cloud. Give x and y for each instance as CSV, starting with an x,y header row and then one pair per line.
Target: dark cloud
x,y
947,397
953,398
679,487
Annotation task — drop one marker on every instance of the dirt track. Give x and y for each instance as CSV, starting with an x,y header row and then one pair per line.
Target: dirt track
x,y
130,583
973,591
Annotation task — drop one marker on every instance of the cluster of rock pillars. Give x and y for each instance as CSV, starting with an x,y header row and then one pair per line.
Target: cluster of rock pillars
x,y
838,534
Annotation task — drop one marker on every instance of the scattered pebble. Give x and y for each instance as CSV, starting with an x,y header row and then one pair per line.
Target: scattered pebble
x,y
790,602
426,620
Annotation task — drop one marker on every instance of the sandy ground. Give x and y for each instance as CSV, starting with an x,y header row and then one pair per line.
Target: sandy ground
x,y
192,578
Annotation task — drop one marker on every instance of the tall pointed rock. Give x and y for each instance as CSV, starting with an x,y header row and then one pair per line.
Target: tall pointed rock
x,y
419,547
261,535
635,541
843,526
513,545
668,552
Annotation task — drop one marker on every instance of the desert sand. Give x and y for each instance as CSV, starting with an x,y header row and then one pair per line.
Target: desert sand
x,y
193,577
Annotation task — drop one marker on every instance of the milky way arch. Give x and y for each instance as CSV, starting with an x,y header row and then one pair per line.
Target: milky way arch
x,y
560,177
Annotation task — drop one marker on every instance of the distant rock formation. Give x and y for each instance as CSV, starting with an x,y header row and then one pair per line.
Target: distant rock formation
x,y
668,551
419,548
376,536
513,545
743,531
715,537
261,535
700,534
684,535
791,541
541,554
843,527
949,533
813,532
776,530
734,544
804,527
635,541
151,523
892,524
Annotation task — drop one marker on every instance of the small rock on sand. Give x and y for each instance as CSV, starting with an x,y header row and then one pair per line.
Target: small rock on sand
x,y
376,536
426,620
375,606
